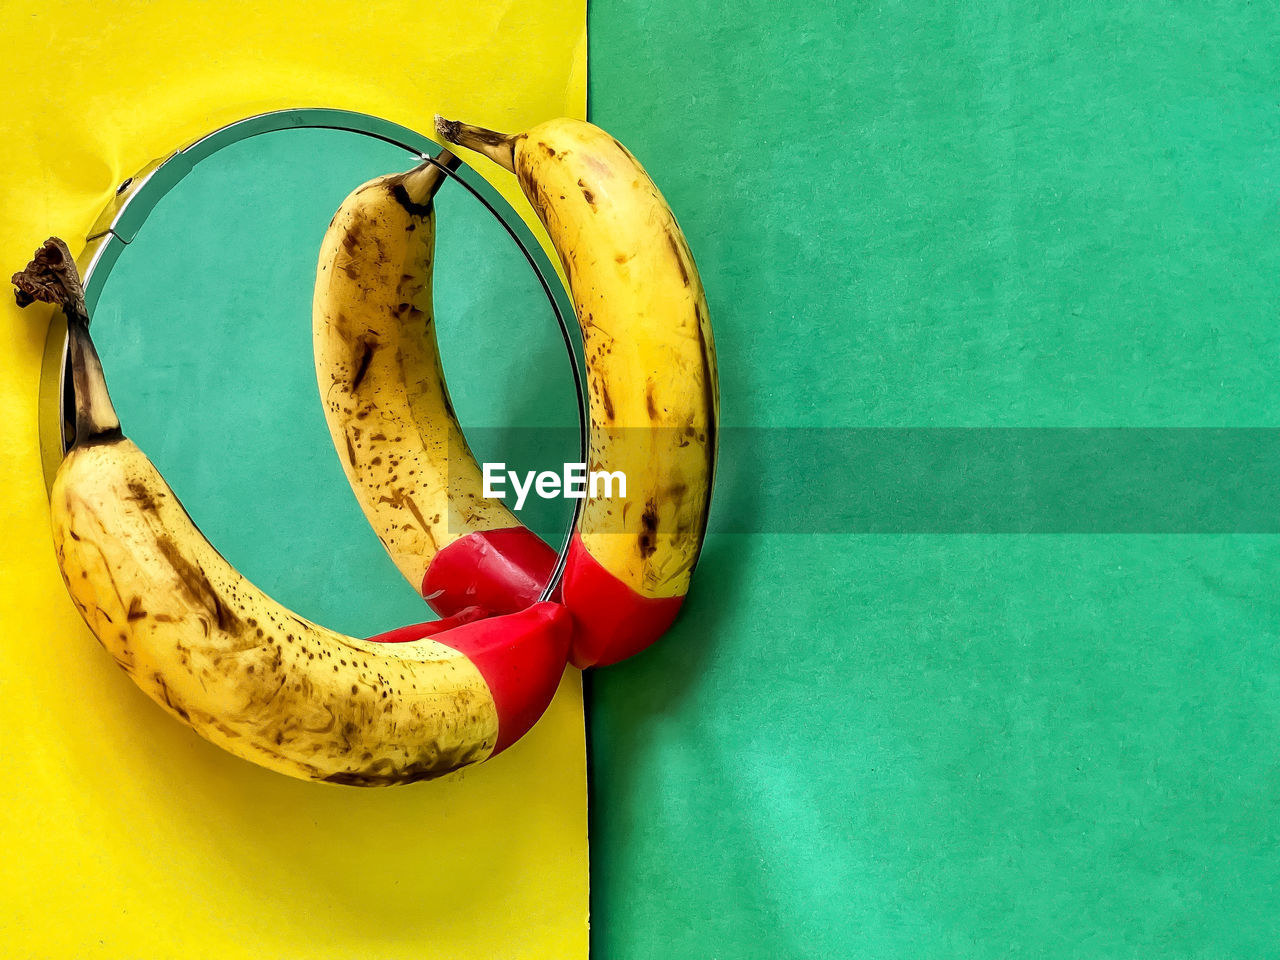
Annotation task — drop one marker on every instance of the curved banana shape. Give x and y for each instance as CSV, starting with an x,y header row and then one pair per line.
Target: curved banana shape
x,y
245,672
651,370
385,400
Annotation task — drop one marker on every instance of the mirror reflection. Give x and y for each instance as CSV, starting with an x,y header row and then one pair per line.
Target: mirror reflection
x,y
205,331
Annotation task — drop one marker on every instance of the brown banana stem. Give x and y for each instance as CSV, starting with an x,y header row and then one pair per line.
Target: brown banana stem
x,y
52,277
425,180
498,147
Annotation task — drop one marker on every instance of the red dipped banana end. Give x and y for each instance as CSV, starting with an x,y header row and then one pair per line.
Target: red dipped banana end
x,y
521,657
420,631
501,571
611,621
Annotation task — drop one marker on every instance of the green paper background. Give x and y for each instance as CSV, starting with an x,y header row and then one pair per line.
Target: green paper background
x,y
912,214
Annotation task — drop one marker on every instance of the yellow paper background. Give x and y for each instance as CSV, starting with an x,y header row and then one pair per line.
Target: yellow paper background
x,y
126,835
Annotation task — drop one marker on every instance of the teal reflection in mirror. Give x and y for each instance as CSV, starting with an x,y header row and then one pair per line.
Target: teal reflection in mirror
x,y
204,327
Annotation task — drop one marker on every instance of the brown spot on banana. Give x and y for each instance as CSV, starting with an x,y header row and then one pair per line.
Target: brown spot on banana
x,y
167,698
604,399
198,586
140,494
414,209
351,239
680,257
367,347
529,186
647,541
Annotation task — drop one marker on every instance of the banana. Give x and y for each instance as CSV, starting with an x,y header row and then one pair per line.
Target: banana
x,y
243,671
651,370
388,409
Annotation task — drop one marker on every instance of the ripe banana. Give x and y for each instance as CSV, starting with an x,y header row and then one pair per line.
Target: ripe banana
x,y
388,409
243,671
651,369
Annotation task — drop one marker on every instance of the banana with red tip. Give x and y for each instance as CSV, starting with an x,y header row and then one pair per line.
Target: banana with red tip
x,y
388,409
245,672
651,369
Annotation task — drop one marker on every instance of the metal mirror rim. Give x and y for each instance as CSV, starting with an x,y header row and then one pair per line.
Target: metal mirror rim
x,y
135,198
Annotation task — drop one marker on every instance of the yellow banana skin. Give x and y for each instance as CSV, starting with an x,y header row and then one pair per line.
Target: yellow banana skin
x,y
650,354
219,654
242,670
380,377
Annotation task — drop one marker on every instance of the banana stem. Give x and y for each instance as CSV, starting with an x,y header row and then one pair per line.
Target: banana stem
x,y
424,181
52,277
96,419
498,147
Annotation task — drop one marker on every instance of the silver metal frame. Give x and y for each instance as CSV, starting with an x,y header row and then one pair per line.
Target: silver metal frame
x,y
136,197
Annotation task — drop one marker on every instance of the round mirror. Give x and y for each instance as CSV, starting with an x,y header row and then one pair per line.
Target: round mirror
x,y
203,318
